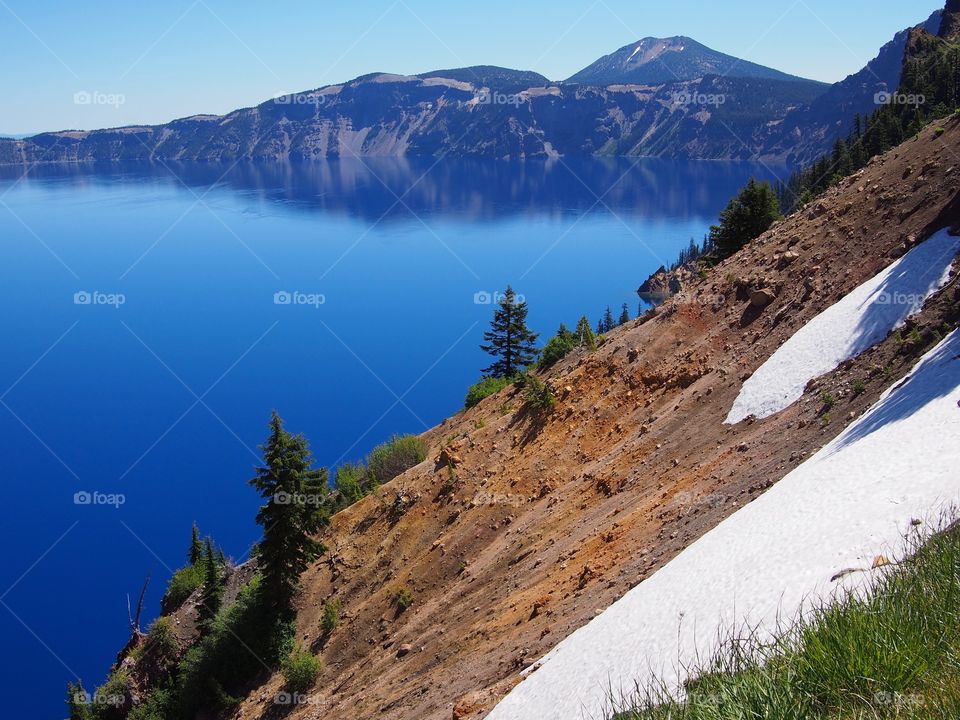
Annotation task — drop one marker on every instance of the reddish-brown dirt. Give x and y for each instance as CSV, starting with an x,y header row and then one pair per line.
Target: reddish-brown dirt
x,y
542,523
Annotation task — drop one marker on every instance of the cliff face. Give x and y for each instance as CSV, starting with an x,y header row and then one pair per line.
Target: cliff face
x,y
807,132
519,528
950,29
661,97
390,115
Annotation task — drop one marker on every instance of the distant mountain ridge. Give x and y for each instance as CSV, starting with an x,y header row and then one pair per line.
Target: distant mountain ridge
x,y
664,60
665,97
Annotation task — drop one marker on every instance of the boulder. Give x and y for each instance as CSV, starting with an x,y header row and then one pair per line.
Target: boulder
x,y
762,297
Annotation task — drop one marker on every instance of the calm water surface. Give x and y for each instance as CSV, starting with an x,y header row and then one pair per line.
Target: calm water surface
x,y
152,316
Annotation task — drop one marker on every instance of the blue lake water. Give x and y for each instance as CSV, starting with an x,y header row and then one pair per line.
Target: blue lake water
x,y
153,315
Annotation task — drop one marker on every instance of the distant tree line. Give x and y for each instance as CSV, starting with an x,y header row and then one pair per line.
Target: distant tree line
x,y
929,89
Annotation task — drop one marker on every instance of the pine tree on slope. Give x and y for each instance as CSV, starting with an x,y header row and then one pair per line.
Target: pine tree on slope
x,y
293,513
509,340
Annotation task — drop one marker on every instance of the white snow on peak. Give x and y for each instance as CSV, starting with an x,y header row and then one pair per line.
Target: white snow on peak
x,y
852,501
635,51
857,322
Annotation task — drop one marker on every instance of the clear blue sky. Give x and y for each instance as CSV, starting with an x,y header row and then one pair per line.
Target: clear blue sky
x,y
181,57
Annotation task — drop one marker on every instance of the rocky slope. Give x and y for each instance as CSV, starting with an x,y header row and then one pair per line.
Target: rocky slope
x,y
519,528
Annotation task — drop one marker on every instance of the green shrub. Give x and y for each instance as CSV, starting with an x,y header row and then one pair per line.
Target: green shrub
x,y
391,458
538,395
353,483
557,348
181,586
827,399
859,388
403,598
242,638
300,669
331,616
161,643
485,388
110,699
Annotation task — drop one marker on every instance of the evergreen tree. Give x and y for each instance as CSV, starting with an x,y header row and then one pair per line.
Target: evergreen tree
x,y
842,160
78,702
746,217
196,547
212,593
624,315
295,510
509,340
608,323
585,335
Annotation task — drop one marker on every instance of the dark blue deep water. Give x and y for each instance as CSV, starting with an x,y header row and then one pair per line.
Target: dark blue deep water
x,y
144,347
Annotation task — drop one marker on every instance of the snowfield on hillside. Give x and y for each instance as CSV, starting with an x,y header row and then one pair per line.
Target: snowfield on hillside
x,y
851,502
857,322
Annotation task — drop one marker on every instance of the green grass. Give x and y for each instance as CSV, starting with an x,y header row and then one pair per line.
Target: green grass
x,y
485,388
891,654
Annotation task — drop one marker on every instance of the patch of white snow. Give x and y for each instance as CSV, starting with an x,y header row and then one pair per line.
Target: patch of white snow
x,y
852,501
857,322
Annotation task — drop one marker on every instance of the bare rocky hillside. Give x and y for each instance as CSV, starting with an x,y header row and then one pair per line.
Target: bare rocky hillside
x,y
518,529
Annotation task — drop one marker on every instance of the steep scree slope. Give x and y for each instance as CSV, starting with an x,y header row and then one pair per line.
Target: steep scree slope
x,y
543,524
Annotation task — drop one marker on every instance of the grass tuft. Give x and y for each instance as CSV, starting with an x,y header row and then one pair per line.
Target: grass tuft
x,y
892,653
